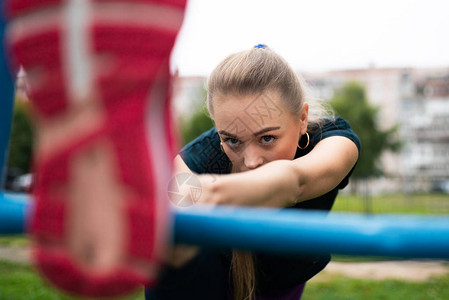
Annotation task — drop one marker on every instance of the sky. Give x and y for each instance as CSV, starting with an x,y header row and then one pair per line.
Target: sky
x,y
316,35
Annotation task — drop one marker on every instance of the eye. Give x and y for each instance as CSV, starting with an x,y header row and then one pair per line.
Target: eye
x,y
232,142
267,139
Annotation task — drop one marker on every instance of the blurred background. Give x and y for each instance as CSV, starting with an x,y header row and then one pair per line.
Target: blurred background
x,y
383,65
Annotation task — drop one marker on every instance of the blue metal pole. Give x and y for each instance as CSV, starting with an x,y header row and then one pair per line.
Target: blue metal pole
x,y
287,231
6,104
14,213
293,231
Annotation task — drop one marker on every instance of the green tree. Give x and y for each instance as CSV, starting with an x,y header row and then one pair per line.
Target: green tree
x,y
351,103
197,123
21,142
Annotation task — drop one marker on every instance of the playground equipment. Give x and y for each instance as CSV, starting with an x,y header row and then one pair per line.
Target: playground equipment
x,y
286,231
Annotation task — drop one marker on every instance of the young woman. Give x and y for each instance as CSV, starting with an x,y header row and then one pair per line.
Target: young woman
x,y
270,147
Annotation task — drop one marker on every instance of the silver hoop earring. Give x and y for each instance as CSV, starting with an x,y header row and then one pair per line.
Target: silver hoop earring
x,y
308,140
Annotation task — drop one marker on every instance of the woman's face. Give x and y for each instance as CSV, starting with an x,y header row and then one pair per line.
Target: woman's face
x,y
257,129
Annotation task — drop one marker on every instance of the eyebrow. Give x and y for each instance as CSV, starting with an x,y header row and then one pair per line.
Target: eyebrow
x,y
223,132
266,130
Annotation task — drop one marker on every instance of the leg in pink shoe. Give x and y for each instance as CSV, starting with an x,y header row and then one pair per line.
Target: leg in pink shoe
x,y
100,85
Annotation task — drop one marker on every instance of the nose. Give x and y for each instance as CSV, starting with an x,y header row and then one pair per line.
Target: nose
x,y
252,158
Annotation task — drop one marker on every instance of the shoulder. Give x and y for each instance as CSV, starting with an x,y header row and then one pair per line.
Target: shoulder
x,y
335,126
204,155
206,137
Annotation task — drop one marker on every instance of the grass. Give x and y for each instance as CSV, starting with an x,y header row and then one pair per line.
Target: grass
x,y
20,281
395,203
351,258
19,240
343,288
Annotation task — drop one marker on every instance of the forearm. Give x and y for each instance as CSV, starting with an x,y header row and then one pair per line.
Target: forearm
x,y
283,183
275,184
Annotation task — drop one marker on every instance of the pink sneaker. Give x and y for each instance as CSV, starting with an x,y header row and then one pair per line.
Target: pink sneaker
x,y
99,79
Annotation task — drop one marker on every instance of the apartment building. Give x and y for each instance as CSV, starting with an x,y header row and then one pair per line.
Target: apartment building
x,y
418,101
425,131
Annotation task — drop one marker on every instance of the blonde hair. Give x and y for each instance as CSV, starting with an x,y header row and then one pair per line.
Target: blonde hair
x,y
258,70
243,275
252,72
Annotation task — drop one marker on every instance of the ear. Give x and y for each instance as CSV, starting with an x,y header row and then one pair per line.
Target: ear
x,y
304,118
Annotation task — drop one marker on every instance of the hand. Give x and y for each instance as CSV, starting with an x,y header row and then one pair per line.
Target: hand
x,y
179,255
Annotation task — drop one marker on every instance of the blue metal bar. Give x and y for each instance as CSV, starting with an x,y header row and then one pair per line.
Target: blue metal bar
x,y
288,231
14,210
6,104
293,231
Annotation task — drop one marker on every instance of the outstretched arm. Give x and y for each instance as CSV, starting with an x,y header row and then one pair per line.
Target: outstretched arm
x,y
279,183
283,183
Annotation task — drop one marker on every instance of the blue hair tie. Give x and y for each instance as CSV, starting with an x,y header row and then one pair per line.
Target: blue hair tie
x,y
260,46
